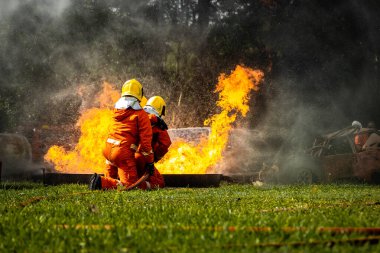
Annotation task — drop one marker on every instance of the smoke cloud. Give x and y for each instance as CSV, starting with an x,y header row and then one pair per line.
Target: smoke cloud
x,y
325,78
321,61
53,8
16,158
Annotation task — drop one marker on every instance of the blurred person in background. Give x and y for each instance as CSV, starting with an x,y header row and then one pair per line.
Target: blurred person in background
x,y
362,136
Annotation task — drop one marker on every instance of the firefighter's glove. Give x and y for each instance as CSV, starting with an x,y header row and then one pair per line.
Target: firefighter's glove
x,y
161,124
150,168
156,158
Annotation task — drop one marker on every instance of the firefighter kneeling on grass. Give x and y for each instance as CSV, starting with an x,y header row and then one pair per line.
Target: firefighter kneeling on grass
x,y
130,131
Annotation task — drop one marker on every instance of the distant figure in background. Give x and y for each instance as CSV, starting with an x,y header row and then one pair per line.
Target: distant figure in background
x,y
155,107
373,140
130,129
371,125
364,133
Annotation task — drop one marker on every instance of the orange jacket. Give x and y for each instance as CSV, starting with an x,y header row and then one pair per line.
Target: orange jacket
x,y
362,136
132,128
361,139
161,139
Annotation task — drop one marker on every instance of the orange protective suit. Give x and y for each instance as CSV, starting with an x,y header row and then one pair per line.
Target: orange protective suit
x,y
130,129
360,139
160,143
362,136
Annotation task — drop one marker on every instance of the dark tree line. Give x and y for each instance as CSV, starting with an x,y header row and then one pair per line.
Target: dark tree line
x,y
326,52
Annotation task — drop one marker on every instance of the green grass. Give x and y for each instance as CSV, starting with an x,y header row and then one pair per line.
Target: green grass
x,y
35,218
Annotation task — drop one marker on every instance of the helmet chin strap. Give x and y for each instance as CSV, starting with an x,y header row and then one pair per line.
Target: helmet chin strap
x,y
163,110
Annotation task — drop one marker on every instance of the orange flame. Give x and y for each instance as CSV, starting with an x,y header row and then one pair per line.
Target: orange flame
x,y
234,92
87,155
182,157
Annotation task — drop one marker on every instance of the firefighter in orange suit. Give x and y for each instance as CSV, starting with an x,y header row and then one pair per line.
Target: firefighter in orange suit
x,y
129,130
155,107
362,136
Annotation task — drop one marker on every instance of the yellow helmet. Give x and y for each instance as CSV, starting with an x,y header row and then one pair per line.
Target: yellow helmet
x,y
143,101
158,103
132,88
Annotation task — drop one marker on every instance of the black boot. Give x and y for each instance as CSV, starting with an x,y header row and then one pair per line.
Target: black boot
x,y
95,182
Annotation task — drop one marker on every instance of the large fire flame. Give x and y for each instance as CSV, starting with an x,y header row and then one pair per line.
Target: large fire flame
x,y
182,158
234,92
94,123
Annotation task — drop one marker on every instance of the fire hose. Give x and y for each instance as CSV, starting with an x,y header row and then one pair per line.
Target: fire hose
x,y
138,182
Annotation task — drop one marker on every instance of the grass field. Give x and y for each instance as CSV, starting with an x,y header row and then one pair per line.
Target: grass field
x,y
231,218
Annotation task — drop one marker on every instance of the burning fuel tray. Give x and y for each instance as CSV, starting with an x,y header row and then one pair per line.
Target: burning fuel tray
x,y
171,180
192,180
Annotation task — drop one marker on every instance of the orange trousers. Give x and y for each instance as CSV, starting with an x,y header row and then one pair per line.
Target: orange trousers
x,y
122,164
156,180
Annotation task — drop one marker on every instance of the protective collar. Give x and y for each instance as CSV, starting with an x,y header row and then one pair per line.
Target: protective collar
x,y
128,102
149,109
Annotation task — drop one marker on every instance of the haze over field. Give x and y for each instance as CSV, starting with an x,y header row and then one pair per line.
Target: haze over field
x,y
320,60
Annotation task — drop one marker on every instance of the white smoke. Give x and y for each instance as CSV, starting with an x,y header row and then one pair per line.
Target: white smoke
x,y
16,157
54,8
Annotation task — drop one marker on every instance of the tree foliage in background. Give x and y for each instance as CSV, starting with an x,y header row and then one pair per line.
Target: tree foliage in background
x,y
178,48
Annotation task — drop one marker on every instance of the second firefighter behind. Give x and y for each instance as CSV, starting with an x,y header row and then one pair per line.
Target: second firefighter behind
x,y
155,107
